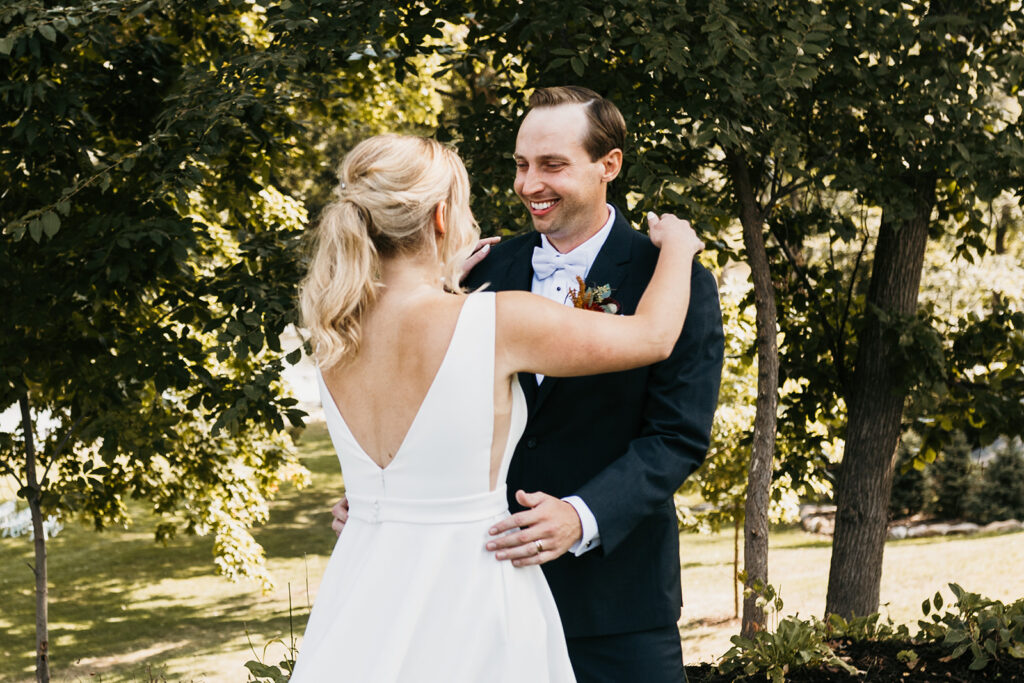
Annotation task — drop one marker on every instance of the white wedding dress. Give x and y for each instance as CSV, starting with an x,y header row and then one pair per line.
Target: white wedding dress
x,y
410,592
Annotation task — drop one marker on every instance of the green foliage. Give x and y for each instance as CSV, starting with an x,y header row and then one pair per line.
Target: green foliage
x,y
795,643
145,328
909,485
988,629
952,477
273,673
866,628
722,479
955,486
1000,492
160,161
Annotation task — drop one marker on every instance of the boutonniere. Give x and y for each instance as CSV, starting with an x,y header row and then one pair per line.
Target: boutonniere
x,y
596,298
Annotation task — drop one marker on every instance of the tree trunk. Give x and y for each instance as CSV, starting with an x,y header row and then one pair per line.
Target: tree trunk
x,y
759,476
736,568
875,404
32,483
1002,225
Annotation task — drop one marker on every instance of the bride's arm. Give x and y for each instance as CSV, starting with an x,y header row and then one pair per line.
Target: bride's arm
x,y
541,336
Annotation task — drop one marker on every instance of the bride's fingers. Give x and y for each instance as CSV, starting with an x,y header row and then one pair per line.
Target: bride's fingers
x,y
480,251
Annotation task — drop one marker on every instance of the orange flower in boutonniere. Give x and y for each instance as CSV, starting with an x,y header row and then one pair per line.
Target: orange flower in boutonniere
x,y
594,298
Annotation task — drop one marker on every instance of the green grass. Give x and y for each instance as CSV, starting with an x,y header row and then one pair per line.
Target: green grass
x,y
123,608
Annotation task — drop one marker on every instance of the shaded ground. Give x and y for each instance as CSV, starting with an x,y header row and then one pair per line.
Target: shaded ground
x,y
880,662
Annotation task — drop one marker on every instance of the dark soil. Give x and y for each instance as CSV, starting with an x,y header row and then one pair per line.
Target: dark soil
x,y
878,661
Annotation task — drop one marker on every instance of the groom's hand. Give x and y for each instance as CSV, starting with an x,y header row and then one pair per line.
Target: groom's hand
x,y
550,521
340,515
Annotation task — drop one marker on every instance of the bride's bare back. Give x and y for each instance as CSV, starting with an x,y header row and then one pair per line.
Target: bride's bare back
x,y
379,391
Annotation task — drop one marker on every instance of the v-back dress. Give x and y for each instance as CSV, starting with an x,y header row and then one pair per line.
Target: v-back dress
x,y
410,593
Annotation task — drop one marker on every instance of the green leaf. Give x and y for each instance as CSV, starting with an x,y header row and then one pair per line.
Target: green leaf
x,y
954,636
51,223
47,31
294,357
35,229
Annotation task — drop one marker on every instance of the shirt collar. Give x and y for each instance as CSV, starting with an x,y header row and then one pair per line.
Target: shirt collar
x,y
589,249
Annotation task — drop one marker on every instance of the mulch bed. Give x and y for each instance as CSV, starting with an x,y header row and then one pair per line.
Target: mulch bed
x,y
878,661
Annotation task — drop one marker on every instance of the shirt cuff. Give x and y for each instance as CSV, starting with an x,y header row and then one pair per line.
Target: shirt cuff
x,y
590,538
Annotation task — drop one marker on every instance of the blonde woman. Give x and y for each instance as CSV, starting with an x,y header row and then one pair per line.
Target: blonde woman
x,y
419,387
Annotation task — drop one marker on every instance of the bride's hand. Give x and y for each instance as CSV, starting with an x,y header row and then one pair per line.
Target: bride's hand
x,y
669,228
480,251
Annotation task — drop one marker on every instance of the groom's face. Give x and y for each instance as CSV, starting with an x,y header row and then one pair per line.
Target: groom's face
x,y
562,187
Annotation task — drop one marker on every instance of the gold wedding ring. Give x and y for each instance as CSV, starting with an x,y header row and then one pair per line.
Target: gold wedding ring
x,y
540,548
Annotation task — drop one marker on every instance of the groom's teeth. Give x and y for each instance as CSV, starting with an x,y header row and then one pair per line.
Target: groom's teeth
x,y
540,206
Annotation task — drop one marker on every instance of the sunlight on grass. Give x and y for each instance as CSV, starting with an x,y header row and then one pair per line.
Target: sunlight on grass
x,y
124,608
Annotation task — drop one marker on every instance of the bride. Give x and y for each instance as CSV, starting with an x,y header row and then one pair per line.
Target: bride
x,y
418,382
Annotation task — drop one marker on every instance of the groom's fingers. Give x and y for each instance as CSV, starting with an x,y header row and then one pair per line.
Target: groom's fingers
x,y
542,533
339,515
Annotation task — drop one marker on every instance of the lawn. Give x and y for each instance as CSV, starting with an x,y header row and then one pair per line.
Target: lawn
x,y
123,608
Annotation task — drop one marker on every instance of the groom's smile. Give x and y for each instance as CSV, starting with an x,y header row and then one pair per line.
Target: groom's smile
x,y
542,208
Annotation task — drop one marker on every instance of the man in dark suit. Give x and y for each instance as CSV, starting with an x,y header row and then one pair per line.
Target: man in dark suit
x,y
601,456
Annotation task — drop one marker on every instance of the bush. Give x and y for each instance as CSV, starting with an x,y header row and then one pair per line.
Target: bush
x,y
988,629
1000,493
953,478
991,632
909,486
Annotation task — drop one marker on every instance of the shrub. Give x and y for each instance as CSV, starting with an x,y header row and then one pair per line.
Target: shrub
x,y
953,477
988,629
794,643
1000,493
909,486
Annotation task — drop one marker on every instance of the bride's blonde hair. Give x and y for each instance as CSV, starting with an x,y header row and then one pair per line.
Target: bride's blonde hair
x,y
390,186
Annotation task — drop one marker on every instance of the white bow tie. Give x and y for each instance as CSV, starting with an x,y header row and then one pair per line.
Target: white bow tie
x,y
547,261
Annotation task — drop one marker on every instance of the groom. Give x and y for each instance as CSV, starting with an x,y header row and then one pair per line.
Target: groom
x,y
601,456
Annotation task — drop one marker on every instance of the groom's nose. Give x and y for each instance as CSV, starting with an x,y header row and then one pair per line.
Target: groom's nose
x,y
530,182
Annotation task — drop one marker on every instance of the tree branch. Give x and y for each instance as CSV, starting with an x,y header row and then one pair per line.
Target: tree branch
x,y
833,337
59,449
10,471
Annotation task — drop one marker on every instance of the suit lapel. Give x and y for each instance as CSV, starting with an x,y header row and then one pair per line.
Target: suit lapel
x,y
611,267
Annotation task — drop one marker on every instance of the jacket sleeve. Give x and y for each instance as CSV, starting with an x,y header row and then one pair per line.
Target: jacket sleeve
x,y
680,401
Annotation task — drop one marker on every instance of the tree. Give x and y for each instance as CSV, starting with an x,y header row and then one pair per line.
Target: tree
x,y
922,159
148,261
721,481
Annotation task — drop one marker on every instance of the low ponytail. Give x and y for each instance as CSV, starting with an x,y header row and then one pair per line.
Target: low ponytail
x,y
341,282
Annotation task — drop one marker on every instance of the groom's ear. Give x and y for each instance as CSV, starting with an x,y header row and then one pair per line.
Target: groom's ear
x,y
612,163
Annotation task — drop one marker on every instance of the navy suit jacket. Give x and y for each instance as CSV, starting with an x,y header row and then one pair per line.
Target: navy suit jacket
x,y
623,442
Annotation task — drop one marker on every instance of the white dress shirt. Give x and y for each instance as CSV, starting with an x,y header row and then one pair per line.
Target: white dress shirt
x,y
556,287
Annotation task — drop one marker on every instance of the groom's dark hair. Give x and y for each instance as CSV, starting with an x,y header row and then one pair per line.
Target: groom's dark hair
x,y
607,130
